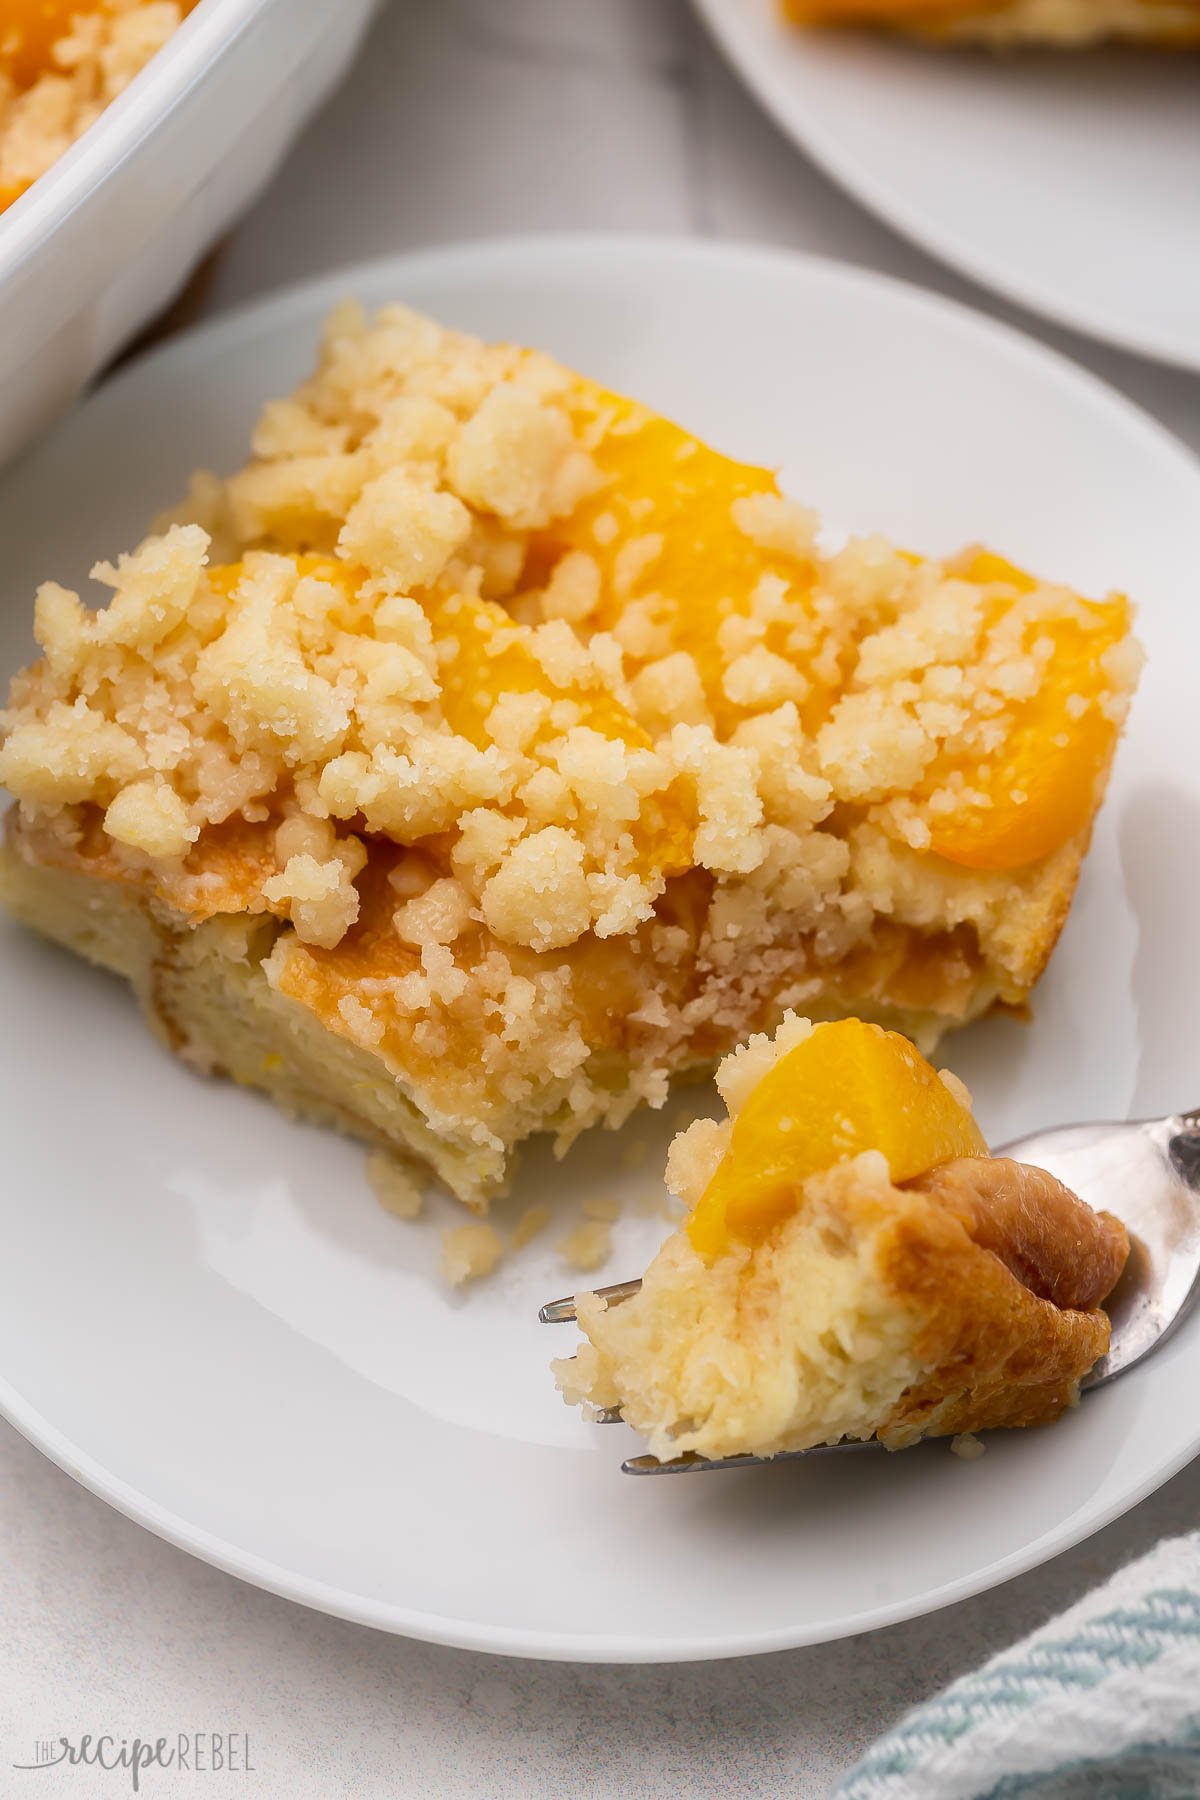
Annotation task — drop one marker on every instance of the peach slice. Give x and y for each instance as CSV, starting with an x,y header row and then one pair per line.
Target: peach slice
x,y
846,1088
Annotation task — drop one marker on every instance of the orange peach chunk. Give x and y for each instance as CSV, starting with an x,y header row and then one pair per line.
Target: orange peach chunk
x,y
846,1088
1040,789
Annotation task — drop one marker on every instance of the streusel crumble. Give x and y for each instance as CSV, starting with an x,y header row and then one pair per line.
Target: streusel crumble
x,y
489,750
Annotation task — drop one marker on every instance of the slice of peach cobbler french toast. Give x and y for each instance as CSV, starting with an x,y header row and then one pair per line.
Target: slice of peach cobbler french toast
x,y
489,750
1014,24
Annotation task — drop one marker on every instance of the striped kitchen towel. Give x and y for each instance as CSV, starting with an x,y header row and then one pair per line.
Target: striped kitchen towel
x,y
1103,1703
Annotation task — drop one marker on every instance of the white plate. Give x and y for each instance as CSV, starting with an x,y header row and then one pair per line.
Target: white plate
x,y
1066,181
204,1314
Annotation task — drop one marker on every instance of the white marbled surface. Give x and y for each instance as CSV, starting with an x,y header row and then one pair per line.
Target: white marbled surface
x,y
481,117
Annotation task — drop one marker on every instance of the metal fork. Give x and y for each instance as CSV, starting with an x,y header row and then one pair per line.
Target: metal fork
x,y
1146,1171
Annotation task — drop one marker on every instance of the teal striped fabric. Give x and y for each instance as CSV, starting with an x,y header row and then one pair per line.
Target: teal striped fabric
x,y
1102,1703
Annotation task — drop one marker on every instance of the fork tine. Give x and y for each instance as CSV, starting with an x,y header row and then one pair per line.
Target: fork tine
x,y
562,1312
558,1312
691,1464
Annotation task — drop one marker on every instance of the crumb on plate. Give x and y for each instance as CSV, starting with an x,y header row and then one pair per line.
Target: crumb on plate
x,y
395,1185
469,1252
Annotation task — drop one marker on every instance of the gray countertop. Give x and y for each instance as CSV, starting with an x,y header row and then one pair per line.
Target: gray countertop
x,y
474,119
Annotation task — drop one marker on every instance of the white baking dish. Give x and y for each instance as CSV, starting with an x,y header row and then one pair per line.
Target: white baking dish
x,y
104,239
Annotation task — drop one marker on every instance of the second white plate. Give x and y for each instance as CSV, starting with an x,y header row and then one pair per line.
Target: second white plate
x,y
204,1313
1067,181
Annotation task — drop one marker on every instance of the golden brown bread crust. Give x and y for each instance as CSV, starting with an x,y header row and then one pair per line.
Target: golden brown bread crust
x,y
981,1264
1056,1246
1064,870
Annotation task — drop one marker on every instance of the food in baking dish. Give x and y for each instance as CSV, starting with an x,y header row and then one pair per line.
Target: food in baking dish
x,y
61,63
1005,24
489,750
854,1264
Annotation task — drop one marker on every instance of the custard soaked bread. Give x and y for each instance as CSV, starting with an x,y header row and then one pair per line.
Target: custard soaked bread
x,y
854,1265
1005,24
488,750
